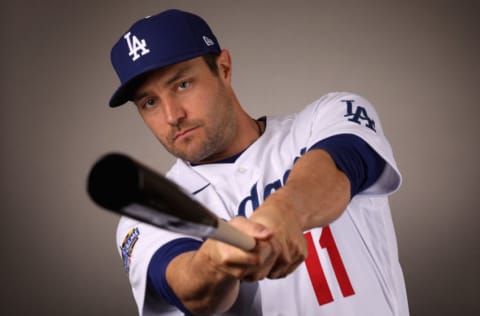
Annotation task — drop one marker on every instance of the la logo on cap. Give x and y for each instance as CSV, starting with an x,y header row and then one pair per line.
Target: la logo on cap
x,y
135,46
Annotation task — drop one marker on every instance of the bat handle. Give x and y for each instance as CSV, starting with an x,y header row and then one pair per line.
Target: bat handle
x,y
230,235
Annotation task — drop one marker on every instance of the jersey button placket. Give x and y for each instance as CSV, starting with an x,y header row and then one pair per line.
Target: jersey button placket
x,y
242,170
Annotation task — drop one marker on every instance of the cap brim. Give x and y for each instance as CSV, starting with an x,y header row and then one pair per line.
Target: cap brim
x,y
125,92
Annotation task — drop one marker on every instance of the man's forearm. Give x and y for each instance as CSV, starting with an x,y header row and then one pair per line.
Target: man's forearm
x,y
201,289
316,192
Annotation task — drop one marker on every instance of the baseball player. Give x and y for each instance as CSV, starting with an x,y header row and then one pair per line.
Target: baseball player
x,y
311,187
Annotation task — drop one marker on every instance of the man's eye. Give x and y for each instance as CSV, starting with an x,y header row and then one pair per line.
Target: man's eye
x,y
149,103
183,85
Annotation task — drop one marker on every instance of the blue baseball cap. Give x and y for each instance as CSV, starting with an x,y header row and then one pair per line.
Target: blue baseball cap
x,y
157,41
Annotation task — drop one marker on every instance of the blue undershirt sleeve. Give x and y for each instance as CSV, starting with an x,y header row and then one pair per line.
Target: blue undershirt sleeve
x,y
355,158
156,275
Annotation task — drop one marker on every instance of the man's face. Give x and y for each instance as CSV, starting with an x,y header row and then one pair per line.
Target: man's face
x,y
190,110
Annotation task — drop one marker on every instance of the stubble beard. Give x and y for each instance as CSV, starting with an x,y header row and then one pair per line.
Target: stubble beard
x,y
218,134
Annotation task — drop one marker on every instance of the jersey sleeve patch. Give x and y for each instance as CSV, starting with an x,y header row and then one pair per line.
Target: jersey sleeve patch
x,y
127,247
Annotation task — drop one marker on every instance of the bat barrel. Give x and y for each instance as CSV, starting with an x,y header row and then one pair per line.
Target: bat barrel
x,y
113,182
116,182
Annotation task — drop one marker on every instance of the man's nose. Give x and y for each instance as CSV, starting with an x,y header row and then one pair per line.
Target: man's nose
x,y
174,112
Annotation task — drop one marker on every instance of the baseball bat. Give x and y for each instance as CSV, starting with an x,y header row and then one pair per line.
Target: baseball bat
x,y
127,187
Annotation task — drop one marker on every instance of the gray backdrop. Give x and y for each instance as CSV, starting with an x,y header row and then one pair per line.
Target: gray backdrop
x,y
417,61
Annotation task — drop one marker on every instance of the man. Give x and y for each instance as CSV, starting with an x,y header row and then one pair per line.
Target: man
x,y
311,188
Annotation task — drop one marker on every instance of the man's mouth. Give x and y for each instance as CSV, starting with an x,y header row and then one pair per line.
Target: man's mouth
x,y
183,133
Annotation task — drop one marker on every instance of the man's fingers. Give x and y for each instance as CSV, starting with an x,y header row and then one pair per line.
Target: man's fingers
x,y
283,270
245,265
267,256
291,255
256,230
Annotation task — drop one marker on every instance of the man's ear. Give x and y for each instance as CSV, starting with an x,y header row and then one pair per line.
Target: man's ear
x,y
224,64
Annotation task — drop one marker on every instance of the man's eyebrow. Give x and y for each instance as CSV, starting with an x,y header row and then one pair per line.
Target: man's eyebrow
x,y
139,96
180,73
177,75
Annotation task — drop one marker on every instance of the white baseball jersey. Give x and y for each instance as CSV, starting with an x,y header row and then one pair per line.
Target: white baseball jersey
x,y
352,266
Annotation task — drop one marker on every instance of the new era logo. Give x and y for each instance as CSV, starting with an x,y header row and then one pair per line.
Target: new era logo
x,y
137,48
208,41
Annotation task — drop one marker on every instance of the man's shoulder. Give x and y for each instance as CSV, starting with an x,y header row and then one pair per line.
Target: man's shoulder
x,y
334,98
324,100
330,104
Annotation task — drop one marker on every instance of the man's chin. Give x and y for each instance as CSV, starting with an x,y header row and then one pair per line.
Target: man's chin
x,y
191,156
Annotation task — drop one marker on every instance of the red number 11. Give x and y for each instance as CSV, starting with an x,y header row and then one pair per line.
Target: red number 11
x,y
315,270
